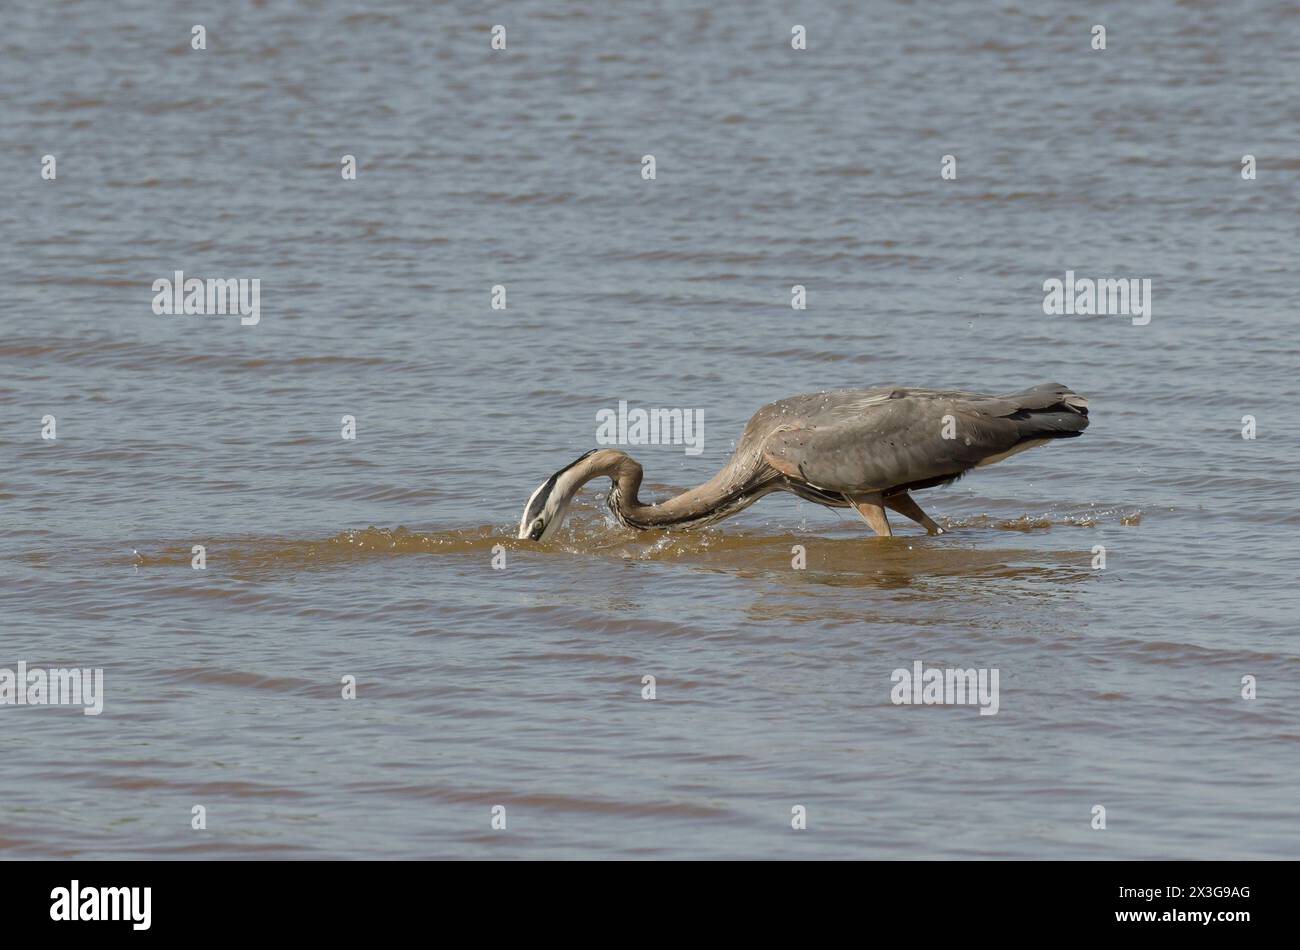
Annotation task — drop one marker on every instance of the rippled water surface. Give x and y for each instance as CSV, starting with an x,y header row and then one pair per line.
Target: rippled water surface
x,y
521,687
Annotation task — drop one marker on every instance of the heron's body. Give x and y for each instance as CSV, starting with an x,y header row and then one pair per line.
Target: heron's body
x,y
860,448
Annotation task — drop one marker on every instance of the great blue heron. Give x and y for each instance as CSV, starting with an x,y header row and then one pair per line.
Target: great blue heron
x,y
850,448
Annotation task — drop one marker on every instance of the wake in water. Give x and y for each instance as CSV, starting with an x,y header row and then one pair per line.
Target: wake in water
x,y
591,533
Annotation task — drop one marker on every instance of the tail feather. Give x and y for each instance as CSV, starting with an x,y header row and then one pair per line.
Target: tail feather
x,y
1050,411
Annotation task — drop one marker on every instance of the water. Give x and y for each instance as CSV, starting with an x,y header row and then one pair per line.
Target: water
x,y
522,687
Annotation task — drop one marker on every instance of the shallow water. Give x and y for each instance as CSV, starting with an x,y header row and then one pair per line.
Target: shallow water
x,y
522,687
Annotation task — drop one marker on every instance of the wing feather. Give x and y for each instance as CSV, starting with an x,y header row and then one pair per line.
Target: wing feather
x,y
873,440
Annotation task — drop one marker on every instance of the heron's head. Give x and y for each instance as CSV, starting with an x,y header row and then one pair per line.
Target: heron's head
x,y
548,505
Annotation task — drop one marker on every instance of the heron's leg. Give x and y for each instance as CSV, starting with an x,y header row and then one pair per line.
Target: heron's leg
x,y
905,506
871,507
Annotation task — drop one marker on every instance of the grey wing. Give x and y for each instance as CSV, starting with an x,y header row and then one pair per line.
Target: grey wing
x,y
874,440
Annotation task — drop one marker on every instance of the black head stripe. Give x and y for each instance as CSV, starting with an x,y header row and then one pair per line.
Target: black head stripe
x,y
538,504
574,462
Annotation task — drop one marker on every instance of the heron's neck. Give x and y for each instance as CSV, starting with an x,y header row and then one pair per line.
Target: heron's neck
x,y
731,490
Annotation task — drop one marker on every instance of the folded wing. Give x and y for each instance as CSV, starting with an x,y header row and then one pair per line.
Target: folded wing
x,y
873,440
